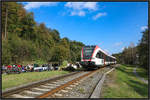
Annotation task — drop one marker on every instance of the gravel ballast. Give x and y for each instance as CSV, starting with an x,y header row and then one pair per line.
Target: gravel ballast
x,y
84,88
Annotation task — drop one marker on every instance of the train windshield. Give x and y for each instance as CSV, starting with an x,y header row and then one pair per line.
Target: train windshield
x,y
87,52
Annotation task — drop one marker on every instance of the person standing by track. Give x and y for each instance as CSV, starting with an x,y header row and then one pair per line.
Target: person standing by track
x,y
9,69
19,68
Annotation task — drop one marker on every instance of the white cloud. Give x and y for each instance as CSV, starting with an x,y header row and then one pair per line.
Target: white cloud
x,y
30,5
122,48
118,44
82,5
80,8
143,28
79,13
99,15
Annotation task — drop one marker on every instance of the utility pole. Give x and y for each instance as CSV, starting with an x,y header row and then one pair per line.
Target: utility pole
x,y
6,22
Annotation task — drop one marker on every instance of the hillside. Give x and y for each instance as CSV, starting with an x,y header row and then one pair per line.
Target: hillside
x,y
26,41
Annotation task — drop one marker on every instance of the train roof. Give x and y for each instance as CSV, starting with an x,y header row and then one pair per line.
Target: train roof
x,y
90,46
113,57
94,46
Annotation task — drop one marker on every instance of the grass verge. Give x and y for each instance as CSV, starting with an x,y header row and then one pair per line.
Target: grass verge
x,y
13,80
142,73
122,83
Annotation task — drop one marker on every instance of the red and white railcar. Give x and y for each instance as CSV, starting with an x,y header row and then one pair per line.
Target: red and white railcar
x,y
93,57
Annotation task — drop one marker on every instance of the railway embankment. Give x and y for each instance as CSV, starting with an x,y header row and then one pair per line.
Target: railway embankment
x,y
15,80
79,85
123,83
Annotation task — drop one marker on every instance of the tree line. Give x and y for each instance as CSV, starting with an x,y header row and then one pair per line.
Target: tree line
x,y
136,55
23,39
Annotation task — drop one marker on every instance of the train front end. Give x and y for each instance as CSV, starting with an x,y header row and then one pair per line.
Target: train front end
x,y
86,57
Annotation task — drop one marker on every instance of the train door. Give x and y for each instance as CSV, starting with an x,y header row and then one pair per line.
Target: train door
x,y
104,57
99,60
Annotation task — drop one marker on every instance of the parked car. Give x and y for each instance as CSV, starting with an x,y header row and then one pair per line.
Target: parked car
x,y
38,68
55,66
45,67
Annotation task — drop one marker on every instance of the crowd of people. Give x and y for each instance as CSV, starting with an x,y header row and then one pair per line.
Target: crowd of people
x,y
8,69
16,68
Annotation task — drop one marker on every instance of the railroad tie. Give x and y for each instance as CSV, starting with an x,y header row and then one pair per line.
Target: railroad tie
x,y
75,83
49,84
41,89
54,82
62,82
72,85
21,96
57,84
31,92
65,91
58,95
46,86
68,88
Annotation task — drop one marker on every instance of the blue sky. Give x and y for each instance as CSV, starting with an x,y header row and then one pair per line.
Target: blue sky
x,y
111,25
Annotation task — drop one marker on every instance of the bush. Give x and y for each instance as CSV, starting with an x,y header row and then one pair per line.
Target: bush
x,y
64,65
6,53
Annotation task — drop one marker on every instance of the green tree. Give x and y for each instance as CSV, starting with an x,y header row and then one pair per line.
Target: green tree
x,y
26,40
143,50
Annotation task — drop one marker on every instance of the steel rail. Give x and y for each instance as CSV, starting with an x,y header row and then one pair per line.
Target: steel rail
x,y
49,93
98,87
34,84
65,85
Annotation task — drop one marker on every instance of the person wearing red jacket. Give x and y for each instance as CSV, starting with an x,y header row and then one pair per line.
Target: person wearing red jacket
x,y
9,69
9,66
19,66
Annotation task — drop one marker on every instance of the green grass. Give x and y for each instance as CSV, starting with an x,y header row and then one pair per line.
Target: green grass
x,y
142,73
12,80
124,84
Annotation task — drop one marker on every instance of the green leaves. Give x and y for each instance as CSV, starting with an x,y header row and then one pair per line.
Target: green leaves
x,y
143,50
136,55
28,41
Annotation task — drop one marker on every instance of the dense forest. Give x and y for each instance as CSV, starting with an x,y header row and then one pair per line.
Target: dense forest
x,y
136,55
25,41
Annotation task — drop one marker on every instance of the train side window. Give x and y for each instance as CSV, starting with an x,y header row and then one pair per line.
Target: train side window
x,y
97,55
100,54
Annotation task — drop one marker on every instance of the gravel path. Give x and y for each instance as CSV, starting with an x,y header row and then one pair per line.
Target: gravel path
x,y
142,79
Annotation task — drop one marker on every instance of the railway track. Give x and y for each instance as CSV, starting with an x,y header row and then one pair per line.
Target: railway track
x,y
51,88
